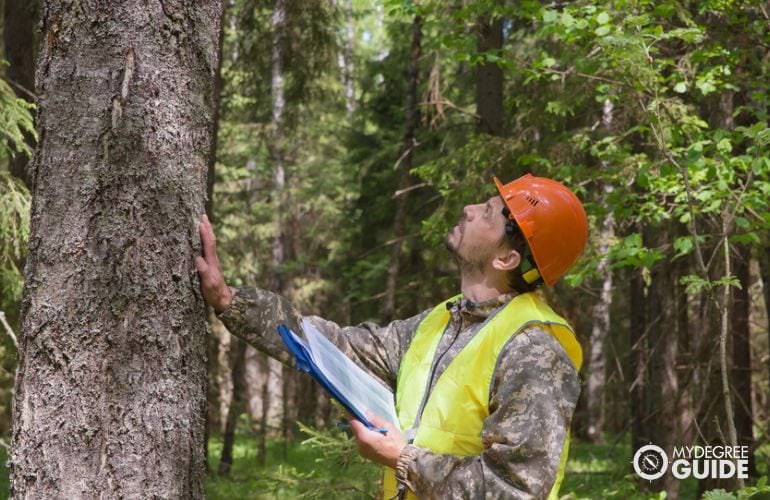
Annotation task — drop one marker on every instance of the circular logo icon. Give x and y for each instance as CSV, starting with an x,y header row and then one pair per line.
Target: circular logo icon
x,y
650,462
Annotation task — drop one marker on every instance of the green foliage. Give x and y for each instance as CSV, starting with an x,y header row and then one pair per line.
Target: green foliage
x,y
14,232
323,466
4,473
760,490
604,471
15,120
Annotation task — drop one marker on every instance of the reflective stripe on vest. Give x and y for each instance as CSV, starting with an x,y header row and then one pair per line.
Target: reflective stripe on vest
x,y
453,417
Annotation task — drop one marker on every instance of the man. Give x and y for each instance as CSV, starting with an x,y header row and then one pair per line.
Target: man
x,y
486,382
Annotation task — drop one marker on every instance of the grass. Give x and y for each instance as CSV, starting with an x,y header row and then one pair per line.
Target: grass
x,y
604,471
5,487
325,469
321,470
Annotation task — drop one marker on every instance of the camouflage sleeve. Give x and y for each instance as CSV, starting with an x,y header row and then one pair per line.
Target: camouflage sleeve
x,y
254,315
532,399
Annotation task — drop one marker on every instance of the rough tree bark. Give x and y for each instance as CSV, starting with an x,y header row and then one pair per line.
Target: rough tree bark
x,y
110,397
403,167
19,40
489,76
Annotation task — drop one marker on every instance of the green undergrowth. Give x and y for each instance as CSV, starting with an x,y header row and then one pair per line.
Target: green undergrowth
x,y
318,465
4,487
327,466
604,471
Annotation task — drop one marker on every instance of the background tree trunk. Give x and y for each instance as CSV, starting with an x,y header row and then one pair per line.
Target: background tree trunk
x,y
404,166
236,406
111,390
347,61
637,315
601,310
764,272
278,385
222,379
741,355
663,355
19,39
489,76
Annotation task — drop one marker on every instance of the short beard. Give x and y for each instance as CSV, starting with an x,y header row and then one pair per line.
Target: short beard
x,y
468,267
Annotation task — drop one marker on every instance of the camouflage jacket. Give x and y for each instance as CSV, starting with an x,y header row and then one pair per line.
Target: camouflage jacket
x,y
533,395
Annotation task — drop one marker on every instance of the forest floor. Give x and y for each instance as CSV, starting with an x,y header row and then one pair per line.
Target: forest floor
x,y
303,471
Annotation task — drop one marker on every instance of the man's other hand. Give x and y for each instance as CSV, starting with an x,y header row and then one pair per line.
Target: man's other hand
x,y
215,291
376,446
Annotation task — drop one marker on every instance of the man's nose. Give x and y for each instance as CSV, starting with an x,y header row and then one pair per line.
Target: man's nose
x,y
470,210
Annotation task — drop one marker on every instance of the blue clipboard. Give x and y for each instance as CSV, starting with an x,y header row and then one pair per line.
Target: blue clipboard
x,y
304,362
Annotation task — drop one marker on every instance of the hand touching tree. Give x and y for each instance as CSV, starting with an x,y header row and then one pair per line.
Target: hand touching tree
x,y
215,291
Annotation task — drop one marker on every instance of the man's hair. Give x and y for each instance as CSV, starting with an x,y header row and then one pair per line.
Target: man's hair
x,y
514,239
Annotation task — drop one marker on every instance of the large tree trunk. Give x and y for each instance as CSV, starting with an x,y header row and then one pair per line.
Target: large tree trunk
x,y
404,166
489,76
111,390
19,40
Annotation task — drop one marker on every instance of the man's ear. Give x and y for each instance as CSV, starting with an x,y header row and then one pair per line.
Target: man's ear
x,y
506,260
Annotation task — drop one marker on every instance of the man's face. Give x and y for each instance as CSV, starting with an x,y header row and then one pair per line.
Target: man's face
x,y
476,237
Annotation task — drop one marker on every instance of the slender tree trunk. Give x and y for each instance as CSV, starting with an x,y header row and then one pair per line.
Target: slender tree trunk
x,y
347,62
741,355
404,166
236,407
223,379
111,390
685,358
662,374
764,272
489,76
278,158
208,205
601,310
19,40
215,132
637,340
256,395
712,413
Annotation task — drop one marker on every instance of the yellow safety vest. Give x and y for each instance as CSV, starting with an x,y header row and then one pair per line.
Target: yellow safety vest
x,y
454,414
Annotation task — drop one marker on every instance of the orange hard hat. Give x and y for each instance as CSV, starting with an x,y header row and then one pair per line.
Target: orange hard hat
x,y
552,220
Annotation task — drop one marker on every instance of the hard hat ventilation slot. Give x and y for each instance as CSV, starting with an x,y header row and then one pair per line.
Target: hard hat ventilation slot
x,y
532,201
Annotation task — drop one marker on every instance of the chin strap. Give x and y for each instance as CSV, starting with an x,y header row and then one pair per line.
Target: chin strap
x,y
528,269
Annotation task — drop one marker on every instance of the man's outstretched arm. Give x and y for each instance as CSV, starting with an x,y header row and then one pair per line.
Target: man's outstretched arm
x,y
254,314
